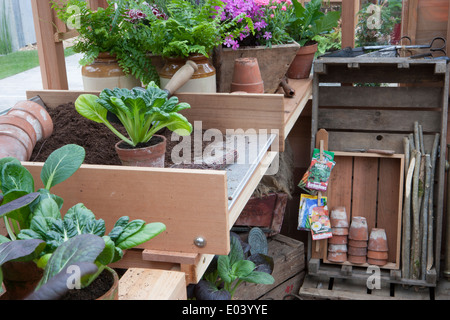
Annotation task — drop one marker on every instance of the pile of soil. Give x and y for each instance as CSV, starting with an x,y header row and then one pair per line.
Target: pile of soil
x,y
97,140
98,288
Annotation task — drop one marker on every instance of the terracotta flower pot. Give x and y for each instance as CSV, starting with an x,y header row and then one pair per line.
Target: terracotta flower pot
x,y
17,137
379,255
337,256
36,115
338,218
337,248
376,262
357,243
113,293
300,68
378,240
339,231
357,251
247,76
337,239
358,229
151,156
20,279
357,259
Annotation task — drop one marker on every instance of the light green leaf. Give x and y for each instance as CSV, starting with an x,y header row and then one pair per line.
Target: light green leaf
x,y
14,176
62,164
144,234
87,106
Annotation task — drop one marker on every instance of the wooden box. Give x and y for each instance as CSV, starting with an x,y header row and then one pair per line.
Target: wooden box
x,y
289,270
192,203
373,103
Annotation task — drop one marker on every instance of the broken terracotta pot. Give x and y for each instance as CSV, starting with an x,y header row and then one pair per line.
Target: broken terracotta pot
x,y
337,256
337,239
357,259
358,229
338,218
378,240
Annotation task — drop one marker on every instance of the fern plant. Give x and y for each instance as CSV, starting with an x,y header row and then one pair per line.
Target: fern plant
x,y
192,28
109,30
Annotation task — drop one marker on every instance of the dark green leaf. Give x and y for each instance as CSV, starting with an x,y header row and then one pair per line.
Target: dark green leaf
x,y
259,277
14,176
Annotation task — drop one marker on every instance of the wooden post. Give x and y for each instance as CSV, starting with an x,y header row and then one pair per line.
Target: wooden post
x,y
51,53
95,4
350,9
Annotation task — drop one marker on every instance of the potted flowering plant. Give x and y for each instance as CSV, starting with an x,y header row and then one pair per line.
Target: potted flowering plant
x,y
306,23
113,42
269,41
190,32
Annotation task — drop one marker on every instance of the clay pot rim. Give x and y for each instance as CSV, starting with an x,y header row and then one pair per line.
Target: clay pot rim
x,y
20,123
379,255
377,262
35,110
113,292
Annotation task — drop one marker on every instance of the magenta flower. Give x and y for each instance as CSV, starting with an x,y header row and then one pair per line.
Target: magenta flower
x,y
267,35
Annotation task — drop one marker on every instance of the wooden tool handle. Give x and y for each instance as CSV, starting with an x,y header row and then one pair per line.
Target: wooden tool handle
x,y
181,77
380,151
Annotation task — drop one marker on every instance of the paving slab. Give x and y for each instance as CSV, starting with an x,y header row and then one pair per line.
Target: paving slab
x,y
13,89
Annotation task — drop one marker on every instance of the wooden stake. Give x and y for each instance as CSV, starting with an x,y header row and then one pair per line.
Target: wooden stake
x,y
415,244
424,215
406,236
431,202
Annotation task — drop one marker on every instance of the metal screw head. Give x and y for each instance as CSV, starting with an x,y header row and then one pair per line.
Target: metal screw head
x,y
200,242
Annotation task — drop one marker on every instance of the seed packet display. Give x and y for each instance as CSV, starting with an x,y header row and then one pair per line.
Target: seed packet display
x,y
319,173
328,155
320,223
307,202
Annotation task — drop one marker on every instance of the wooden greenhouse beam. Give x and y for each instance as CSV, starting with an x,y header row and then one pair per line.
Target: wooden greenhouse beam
x,y
350,9
51,53
95,4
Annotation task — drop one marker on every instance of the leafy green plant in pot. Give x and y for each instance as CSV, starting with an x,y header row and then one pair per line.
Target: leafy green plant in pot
x,y
192,32
308,22
143,112
20,201
225,274
115,47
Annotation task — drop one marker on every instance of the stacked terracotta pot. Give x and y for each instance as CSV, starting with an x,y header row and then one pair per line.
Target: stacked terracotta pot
x,y
377,253
25,124
337,245
358,240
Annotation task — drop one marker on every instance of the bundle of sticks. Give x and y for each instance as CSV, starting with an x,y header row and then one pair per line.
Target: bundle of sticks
x,y
417,236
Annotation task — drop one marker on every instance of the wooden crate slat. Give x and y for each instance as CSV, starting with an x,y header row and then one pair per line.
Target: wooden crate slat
x,y
373,120
364,190
401,97
340,185
390,192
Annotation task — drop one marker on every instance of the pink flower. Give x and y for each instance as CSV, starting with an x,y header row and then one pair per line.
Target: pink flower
x,y
283,8
272,15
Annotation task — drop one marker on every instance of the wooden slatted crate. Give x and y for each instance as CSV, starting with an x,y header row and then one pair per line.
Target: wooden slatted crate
x,y
373,103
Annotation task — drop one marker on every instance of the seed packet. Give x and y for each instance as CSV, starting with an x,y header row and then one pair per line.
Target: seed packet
x,y
307,202
320,223
316,155
319,173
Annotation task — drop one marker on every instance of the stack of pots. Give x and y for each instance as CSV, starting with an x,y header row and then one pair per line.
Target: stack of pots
x,y
358,240
337,244
24,125
377,251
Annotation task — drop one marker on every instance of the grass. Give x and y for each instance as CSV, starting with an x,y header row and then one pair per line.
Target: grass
x,y
20,61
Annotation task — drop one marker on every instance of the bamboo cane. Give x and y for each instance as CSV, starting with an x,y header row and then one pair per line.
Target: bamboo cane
x,y
415,249
416,136
406,236
424,216
431,202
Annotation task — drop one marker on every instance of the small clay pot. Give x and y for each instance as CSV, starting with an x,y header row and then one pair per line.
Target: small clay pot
x,y
152,156
358,229
379,255
247,76
300,67
357,251
357,259
337,248
21,137
338,218
337,239
357,243
376,262
378,240
337,256
36,115
339,231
